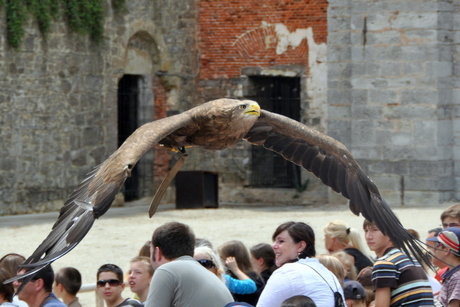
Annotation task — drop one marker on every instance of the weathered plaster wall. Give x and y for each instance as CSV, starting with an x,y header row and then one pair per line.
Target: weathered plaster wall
x,y
241,39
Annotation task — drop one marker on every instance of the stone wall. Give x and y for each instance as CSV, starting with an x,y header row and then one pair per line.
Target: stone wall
x,y
58,98
393,94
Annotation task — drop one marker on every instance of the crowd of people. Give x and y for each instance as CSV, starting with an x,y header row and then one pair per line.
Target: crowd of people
x,y
176,269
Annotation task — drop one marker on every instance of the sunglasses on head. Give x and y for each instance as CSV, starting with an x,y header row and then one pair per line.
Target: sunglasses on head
x,y
111,282
207,263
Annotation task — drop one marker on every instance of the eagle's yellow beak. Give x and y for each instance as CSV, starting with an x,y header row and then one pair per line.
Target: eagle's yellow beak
x,y
254,109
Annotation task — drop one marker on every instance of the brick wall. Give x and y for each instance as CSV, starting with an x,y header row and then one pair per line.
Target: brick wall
x,y
162,154
237,34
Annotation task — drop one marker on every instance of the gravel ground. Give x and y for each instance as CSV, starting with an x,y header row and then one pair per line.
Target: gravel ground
x,y
118,236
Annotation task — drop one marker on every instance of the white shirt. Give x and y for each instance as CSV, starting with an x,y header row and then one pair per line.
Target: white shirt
x,y
299,279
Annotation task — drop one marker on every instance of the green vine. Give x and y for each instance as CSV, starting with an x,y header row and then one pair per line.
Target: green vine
x,y
82,16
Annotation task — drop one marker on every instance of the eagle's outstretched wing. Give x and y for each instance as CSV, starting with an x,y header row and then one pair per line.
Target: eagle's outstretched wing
x,y
330,161
95,193
213,125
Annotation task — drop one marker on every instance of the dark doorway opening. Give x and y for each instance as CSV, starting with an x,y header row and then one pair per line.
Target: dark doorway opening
x,y
128,107
280,95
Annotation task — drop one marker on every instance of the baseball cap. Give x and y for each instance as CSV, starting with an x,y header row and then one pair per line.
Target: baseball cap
x,y
353,290
450,238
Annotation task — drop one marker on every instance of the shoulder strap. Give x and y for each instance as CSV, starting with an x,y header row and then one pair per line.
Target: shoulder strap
x,y
323,278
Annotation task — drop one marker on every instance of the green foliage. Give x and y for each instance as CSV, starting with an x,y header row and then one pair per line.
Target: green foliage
x,y
82,16
15,16
85,17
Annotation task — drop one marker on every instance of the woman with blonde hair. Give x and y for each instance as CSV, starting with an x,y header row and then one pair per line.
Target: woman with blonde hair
x,y
339,236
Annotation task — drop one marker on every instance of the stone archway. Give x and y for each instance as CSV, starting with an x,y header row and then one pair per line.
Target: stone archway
x,y
141,61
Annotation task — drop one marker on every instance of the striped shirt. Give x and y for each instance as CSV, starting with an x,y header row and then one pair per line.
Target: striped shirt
x,y
407,280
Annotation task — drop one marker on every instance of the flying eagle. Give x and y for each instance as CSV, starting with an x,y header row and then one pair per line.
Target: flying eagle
x,y
217,125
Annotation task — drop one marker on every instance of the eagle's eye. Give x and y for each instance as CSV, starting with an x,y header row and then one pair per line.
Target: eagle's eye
x,y
242,107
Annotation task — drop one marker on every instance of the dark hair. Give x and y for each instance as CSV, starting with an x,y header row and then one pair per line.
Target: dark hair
x,y
436,231
174,239
298,301
299,232
47,274
6,290
145,249
70,279
10,263
111,268
368,223
264,251
238,250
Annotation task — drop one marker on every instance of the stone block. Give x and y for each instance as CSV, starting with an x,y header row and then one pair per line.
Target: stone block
x,y
339,112
339,70
419,96
414,68
391,69
366,152
339,97
367,112
439,69
421,198
383,97
442,168
389,37
417,20
378,21
363,132
340,130
399,153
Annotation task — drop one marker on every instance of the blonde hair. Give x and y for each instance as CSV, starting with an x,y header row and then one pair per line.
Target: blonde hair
x,y
204,249
146,261
334,265
344,234
347,263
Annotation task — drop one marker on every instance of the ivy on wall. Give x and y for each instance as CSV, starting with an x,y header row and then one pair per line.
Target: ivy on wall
x,y
82,16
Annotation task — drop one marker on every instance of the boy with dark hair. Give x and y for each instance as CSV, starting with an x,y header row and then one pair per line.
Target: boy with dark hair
x,y
67,283
448,250
180,280
110,285
397,279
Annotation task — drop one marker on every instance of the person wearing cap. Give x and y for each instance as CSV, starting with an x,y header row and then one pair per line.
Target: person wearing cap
x,y
397,279
448,250
355,295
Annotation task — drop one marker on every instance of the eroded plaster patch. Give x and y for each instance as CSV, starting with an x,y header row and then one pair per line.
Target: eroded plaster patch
x,y
316,84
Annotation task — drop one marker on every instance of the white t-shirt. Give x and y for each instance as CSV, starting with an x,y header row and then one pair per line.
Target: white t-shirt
x,y
299,279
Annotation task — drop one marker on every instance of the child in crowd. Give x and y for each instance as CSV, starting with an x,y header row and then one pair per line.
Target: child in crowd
x,y
140,273
67,283
236,257
263,260
355,295
110,285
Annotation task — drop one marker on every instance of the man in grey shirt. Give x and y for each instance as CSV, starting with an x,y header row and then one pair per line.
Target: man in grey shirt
x,y
179,280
